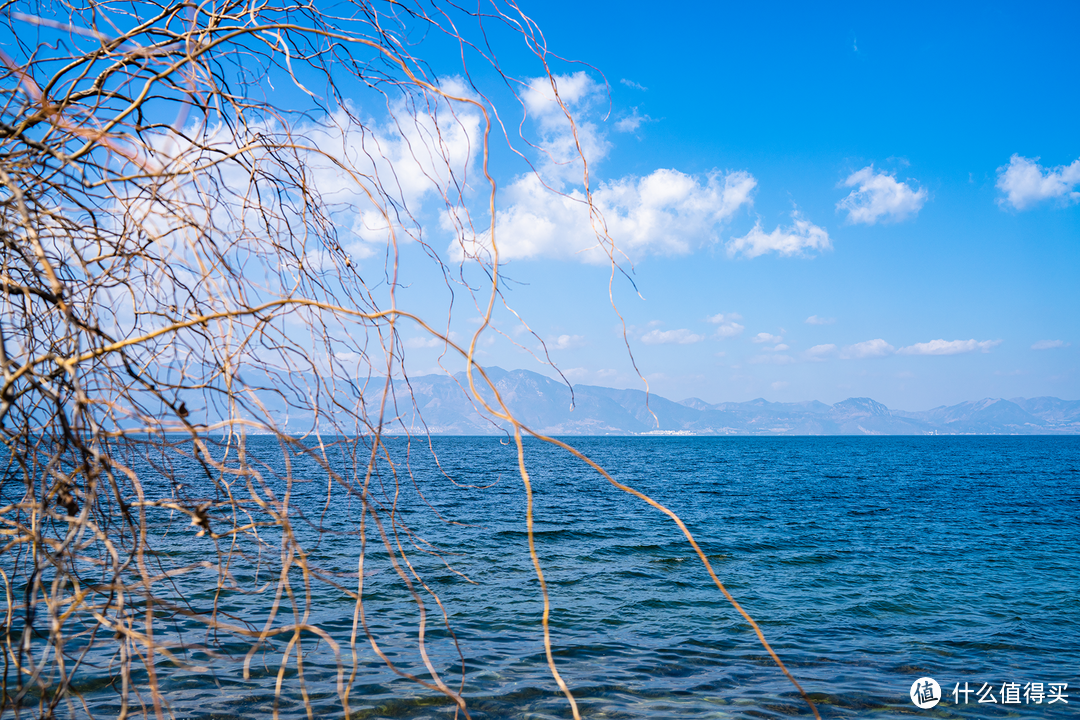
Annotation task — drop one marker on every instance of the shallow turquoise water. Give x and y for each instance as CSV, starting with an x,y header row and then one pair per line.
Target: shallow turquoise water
x,y
868,562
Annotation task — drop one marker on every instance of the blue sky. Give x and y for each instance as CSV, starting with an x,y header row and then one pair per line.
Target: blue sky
x,y
864,200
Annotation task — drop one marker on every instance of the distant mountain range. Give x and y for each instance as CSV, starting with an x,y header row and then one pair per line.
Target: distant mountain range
x,y
545,405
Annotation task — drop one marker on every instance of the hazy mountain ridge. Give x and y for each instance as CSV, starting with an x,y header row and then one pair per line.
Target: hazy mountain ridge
x,y
545,405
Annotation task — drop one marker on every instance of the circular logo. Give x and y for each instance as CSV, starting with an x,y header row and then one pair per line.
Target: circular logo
x,y
925,693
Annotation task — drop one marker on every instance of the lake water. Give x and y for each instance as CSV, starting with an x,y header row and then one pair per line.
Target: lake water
x,y
868,563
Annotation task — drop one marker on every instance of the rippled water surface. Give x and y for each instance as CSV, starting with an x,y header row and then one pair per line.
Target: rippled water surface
x,y
868,562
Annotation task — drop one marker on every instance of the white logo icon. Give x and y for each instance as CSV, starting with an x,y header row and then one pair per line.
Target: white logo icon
x,y
925,693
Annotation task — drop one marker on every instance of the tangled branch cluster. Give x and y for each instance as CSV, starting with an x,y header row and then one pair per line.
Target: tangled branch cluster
x,y
186,193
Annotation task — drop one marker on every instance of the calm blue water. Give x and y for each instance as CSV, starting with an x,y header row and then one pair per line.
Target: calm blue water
x,y
868,562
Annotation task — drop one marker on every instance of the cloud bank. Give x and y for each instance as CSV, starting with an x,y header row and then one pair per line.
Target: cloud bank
x,y
671,337
948,347
664,212
879,348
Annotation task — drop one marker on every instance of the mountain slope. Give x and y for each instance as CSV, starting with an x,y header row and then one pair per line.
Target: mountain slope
x,y
549,407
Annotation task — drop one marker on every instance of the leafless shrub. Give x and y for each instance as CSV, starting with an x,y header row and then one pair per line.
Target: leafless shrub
x,y
203,231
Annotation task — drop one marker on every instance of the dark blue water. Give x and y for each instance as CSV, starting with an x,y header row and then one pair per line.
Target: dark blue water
x,y
868,563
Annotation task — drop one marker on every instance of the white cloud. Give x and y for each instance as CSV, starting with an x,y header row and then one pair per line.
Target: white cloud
x,y
420,153
868,349
795,239
1026,183
772,360
948,347
634,85
1049,345
671,337
780,348
632,122
359,167
815,320
565,342
423,342
764,337
730,329
559,143
819,352
356,170
664,213
779,385
879,197
728,326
